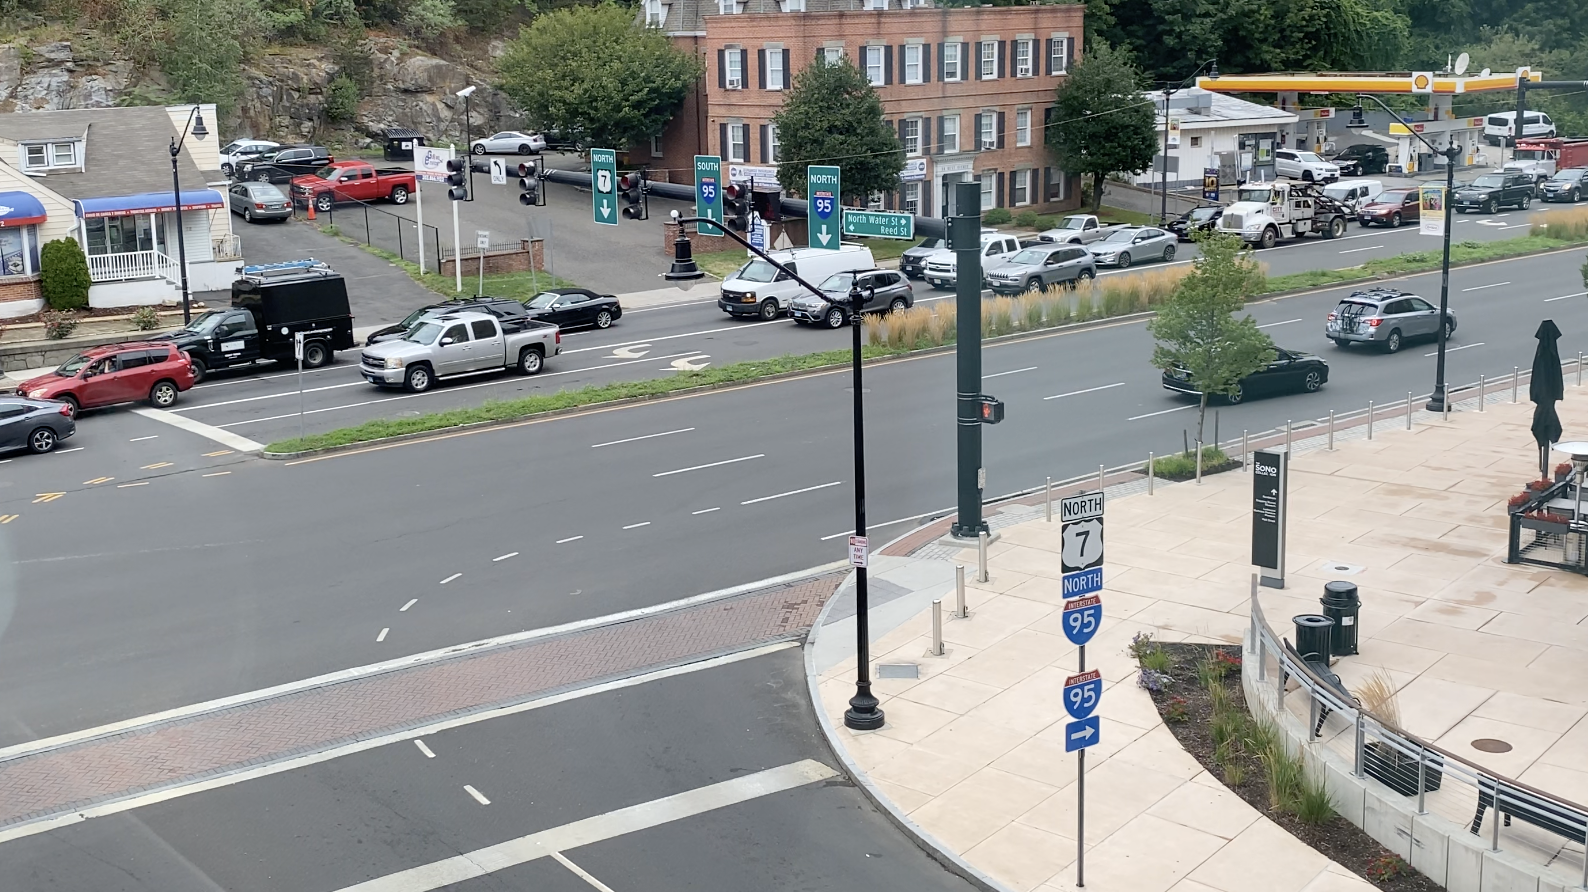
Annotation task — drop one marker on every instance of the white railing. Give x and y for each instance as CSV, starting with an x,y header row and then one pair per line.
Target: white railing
x,y
227,247
133,265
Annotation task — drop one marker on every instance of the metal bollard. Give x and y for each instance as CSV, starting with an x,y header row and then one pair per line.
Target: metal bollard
x,y
1246,450
1370,419
1579,384
1288,426
1150,473
1100,486
1445,406
1199,463
1494,829
937,628
981,557
1331,430
1359,767
1047,500
1483,396
1422,778
1516,378
959,592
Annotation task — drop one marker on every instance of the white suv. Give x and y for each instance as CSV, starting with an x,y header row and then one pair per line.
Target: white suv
x,y
239,150
1304,166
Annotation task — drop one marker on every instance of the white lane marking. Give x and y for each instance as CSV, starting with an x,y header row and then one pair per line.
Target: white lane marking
x,y
569,539
792,492
1162,412
688,364
1059,396
141,439
1550,300
1369,248
1454,349
478,796
450,578
73,449
1272,324
404,608
682,430
208,431
598,828
631,352
504,557
249,378
580,872
268,396
125,485
706,510
635,526
382,636
891,523
714,464
218,474
1481,287
1031,368
687,334
424,749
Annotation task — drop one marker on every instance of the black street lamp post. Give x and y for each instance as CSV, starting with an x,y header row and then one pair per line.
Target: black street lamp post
x,y
863,714
1436,402
195,121
1169,90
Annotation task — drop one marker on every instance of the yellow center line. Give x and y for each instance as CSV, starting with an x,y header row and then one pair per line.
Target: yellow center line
x,y
98,480
220,452
7,518
46,497
157,466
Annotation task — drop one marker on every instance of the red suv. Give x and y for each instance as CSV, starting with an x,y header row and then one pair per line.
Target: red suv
x,y
116,373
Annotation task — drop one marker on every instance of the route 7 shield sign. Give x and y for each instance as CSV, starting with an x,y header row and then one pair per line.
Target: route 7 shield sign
x,y
824,184
1081,693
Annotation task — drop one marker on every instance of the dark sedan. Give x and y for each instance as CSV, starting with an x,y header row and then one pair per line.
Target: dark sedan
x,y
572,307
34,425
1290,372
509,311
1195,220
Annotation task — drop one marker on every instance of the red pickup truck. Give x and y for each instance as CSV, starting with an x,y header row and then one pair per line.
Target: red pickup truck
x,y
352,181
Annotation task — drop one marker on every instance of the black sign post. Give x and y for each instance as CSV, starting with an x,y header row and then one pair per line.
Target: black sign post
x,y
1269,486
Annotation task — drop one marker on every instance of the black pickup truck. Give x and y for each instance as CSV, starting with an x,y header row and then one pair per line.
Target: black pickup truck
x,y
1492,191
281,165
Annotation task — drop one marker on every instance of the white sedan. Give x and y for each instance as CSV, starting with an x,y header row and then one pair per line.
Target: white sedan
x,y
510,142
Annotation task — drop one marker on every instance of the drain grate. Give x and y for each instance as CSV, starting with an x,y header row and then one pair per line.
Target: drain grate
x,y
1490,745
898,670
1340,568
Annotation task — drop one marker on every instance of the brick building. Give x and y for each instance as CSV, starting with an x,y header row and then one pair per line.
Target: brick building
x,y
967,88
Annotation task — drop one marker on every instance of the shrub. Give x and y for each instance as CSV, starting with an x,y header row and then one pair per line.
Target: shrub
x,y
341,99
145,318
1184,467
57,324
1152,681
1027,220
1175,710
1567,224
1388,867
1284,778
63,275
996,217
1046,221
1313,804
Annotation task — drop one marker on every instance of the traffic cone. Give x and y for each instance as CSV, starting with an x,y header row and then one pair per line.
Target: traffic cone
x,y
311,210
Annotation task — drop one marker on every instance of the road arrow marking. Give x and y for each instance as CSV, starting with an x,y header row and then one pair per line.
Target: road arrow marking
x,y
632,351
687,364
47,497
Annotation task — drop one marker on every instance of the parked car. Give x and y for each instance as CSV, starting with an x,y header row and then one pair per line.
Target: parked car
x,y
510,142
115,373
558,141
240,150
353,181
1290,372
1039,268
913,261
1570,185
759,289
1305,166
573,307
1361,160
281,165
1492,191
1204,219
1385,317
1129,244
458,344
1392,207
511,312
995,246
883,290
1353,194
35,425
258,201
1077,229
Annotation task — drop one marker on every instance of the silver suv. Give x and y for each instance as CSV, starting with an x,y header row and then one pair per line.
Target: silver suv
x,y
1037,268
883,290
1385,317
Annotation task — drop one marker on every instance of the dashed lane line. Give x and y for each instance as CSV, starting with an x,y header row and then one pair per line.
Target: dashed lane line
x,y
98,480
7,518
127,485
682,430
635,526
504,557
478,796
404,608
1060,396
569,539
450,578
424,749
792,492
42,497
715,464
580,872
382,636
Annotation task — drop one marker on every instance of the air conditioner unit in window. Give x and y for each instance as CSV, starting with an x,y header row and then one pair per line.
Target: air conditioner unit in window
x,y
735,83
989,144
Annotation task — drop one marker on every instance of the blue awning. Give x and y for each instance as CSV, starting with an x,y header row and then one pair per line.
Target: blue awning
x,y
19,209
147,203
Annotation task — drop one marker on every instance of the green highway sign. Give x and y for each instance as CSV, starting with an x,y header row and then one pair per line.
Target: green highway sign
x,y
708,192
824,187
604,185
879,224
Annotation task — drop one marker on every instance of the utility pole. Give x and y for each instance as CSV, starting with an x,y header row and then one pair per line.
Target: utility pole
x,y
964,239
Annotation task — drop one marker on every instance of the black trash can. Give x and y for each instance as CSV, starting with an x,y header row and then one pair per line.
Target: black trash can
x,y
1341,604
1312,637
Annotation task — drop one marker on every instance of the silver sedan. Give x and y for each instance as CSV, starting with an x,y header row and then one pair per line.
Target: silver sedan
x,y
258,201
1131,244
510,142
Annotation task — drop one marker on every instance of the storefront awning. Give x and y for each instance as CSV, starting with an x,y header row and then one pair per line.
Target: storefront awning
x,y
19,209
147,203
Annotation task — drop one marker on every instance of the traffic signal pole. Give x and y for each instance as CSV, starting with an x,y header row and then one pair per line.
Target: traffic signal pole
x,y
457,246
964,239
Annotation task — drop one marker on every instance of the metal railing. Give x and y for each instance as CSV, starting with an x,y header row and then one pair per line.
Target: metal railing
x,y
227,247
380,228
132,265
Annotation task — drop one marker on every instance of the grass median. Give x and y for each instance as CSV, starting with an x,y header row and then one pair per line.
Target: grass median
x,y
1422,261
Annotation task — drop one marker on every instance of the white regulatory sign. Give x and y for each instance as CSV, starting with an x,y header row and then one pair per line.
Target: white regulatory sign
x,y
297,345
498,171
482,239
858,546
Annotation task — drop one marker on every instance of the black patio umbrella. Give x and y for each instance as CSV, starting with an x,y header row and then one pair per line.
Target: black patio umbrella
x,y
1546,388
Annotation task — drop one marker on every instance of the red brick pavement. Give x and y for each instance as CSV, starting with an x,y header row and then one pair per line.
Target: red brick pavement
x,y
169,754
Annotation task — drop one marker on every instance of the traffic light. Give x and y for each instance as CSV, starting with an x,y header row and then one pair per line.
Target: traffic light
x,y
992,409
528,184
632,186
735,209
457,178
767,205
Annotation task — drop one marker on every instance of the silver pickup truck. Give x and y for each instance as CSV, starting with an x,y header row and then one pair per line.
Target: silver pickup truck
x,y
458,344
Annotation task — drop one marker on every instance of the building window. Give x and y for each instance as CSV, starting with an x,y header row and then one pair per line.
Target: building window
x,y
734,59
774,69
1060,60
989,59
1023,127
951,61
1021,190
656,146
875,73
653,13
727,7
17,257
1196,142
911,130
774,151
124,235
950,134
912,63
42,156
989,188
36,156
833,54
1058,184
876,4
989,131
1023,58
736,142
793,5
910,198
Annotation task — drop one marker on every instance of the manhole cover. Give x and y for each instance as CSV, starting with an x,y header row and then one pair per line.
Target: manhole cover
x,y
1490,745
902,670
1340,568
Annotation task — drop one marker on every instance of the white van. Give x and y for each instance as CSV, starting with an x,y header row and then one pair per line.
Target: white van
x,y
1500,128
1353,193
758,289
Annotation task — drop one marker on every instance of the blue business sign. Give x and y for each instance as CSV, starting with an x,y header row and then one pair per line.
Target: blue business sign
x,y
1081,693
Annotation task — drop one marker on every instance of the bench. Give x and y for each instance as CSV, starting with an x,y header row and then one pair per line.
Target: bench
x,y
1558,819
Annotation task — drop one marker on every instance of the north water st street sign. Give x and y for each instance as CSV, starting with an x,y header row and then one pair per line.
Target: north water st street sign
x,y
879,224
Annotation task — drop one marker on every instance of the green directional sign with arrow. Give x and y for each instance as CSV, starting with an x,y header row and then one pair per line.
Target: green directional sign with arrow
x,y
604,186
823,185
878,224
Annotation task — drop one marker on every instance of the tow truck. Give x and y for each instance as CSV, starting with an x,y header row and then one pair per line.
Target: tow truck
x,y
1543,157
1263,210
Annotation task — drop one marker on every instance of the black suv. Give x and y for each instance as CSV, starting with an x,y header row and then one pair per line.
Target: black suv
x,y
1492,191
1361,160
281,165
1570,185
509,311
1203,219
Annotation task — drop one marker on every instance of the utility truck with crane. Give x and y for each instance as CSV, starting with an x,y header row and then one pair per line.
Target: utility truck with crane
x,y
1263,212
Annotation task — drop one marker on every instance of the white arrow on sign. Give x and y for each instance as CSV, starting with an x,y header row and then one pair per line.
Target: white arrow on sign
x,y
823,235
606,209
687,364
1084,734
632,351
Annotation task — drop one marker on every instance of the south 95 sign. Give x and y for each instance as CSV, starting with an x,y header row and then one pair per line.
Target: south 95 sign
x,y
708,190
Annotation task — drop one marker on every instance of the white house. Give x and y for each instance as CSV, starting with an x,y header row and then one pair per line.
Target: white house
x,y
103,177
1212,130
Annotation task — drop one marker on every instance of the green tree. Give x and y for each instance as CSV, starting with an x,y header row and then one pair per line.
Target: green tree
x,y
426,19
833,116
1101,122
1196,329
63,275
341,99
203,48
595,72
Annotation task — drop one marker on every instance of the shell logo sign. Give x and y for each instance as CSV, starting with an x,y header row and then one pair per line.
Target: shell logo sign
x,y
1422,82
